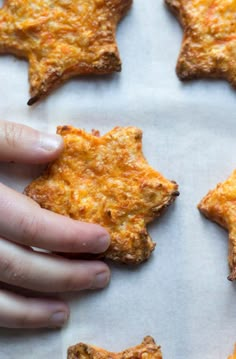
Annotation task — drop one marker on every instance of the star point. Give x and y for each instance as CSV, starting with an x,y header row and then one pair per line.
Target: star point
x,y
219,205
209,43
62,38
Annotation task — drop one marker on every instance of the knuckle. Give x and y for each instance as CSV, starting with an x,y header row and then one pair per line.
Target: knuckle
x,y
73,244
72,281
22,320
11,271
13,134
68,283
71,240
6,267
29,229
12,313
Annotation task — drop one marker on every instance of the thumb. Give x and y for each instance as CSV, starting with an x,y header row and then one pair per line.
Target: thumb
x,y
23,144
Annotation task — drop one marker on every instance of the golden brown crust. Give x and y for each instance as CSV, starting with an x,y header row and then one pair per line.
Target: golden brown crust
x,y
209,42
146,350
106,180
174,6
62,38
219,205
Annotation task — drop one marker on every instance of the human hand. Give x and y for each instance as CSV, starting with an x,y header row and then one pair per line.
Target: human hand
x,y
23,224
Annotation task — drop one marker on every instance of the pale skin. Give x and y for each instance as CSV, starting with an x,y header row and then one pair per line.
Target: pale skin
x,y
23,224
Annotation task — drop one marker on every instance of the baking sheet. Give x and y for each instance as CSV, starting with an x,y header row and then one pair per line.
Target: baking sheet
x,y
181,296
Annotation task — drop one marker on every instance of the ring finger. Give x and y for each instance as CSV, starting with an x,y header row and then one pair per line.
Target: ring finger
x,y
20,312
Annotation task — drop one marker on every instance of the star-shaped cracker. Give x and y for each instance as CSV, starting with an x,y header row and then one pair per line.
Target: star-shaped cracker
x,y
219,205
61,38
209,42
106,180
146,350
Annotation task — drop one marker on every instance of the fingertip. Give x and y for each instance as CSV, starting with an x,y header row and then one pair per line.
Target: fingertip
x,y
58,319
103,240
58,313
102,278
24,144
50,144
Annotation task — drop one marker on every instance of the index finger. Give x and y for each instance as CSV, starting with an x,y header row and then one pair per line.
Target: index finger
x,y
23,144
24,222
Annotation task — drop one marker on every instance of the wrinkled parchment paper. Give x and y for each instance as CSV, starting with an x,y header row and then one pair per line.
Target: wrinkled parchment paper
x,y
181,296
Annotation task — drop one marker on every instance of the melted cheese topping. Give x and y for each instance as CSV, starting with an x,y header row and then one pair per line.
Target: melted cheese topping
x,y
62,27
213,18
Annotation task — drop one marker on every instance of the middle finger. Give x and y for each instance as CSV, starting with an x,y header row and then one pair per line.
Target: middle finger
x,y
48,273
24,222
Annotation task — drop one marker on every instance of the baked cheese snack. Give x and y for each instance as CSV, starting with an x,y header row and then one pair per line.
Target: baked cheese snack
x,y
61,38
146,350
219,205
209,42
106,180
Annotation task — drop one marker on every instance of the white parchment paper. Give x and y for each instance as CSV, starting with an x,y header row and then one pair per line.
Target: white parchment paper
x,y
181,296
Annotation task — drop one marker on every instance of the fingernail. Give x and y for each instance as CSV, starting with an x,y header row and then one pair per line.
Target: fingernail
x,y
103,243
101,280
49,142
58,319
